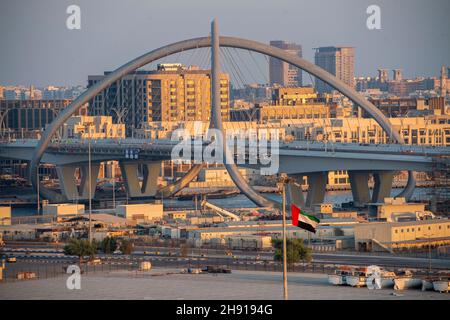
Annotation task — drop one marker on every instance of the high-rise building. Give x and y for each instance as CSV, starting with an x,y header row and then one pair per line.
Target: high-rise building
x,y
339,61
443,82
282,73
170,93
383,75
397,74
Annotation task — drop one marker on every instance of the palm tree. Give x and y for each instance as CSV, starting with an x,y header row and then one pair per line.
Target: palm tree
x,y
80,248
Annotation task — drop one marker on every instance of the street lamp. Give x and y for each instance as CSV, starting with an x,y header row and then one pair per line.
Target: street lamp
x,y
113,185
37,189
428,235
90,186
282,181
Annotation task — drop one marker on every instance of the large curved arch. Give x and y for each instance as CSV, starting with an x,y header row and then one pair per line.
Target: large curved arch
x,y
206,42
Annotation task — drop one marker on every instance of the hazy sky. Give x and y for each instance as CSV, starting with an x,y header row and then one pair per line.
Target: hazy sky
x,y
37,48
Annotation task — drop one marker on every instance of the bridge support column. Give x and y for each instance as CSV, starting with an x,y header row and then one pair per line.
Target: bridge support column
x,y
84,184
317,182
360,187
382,185
295,192
135,189
68,184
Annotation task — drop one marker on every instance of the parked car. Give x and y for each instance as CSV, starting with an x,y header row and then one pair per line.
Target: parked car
x,y
11,259
216,269
95,261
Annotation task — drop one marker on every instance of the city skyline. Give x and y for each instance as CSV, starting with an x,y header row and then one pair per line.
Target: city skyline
x,y
291,150
30,61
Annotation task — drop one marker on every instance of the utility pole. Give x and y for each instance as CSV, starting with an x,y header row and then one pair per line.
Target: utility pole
x,y
429,251
113,185
90,186
37,189
283,181
284,246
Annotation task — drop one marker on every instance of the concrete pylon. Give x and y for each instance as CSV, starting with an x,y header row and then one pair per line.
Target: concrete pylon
x,y
295,192
68,184
382,186
360,188
84,184
182,182
149,187
317,182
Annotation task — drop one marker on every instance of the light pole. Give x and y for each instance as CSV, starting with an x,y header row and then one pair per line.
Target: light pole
x,y
428,235
90,186
37,189
283,181
113,185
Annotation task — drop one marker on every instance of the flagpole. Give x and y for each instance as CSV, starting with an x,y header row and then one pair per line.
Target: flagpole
x,y
285,287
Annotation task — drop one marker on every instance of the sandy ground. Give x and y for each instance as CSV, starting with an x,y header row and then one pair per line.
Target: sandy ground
x,y
238,285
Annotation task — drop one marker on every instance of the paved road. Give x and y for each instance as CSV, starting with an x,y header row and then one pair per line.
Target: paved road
x,y
159,284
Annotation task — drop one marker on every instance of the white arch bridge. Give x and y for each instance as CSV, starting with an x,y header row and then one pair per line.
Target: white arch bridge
x,y
214,41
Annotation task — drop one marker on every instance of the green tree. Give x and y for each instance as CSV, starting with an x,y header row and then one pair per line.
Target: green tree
x,y
108,245
80,248
126,246
184,250
296,251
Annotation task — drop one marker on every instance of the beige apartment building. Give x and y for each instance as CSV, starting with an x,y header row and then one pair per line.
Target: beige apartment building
x,y
295,103
92,127
433,130
307,111
430,130
178,94
293,95
164,130
173,92
95,127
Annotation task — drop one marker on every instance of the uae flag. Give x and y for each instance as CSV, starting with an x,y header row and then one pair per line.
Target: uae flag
x,y
303,220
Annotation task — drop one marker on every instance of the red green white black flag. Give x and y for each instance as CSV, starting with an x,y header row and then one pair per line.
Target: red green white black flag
x,y
303,220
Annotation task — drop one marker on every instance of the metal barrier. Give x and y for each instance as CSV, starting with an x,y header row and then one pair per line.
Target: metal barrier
x,y
129,267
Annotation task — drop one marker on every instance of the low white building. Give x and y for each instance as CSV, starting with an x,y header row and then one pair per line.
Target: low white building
x,y
141,212
398,210
19,232
5,216
170,232
63,209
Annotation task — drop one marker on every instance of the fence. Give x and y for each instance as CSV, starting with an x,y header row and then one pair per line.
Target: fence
x,y
129,267
51,270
